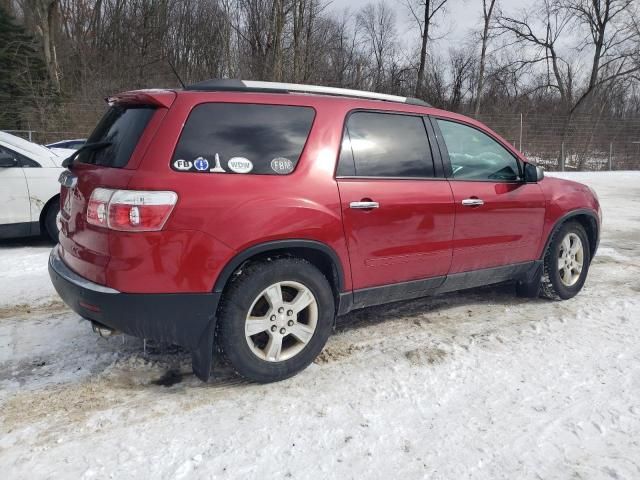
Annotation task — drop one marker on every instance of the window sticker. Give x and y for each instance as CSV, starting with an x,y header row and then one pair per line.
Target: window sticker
x,y
218,168
201,164
282,165
240,165
183,165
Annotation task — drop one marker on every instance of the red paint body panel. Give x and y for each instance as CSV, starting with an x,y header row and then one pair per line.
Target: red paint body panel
x,y
506,229
564,196
407,238
420,231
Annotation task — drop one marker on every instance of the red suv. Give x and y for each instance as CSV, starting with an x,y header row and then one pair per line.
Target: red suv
x,y
249,215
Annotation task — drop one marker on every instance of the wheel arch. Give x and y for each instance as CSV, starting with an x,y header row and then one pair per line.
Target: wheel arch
x,y
45,209
317,253
589,221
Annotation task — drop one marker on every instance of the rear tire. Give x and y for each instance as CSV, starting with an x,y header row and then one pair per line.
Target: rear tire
x,y
50,225
566,262
275,319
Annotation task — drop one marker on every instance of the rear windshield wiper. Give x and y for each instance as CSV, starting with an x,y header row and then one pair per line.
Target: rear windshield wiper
x,y
91,147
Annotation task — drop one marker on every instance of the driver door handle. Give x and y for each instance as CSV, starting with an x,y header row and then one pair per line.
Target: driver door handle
x,y
364,205
472,202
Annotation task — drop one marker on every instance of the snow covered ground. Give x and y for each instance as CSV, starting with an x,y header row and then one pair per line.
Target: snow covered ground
x,y
473,385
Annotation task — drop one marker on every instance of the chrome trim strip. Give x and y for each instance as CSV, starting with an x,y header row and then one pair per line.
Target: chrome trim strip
x,y
65,272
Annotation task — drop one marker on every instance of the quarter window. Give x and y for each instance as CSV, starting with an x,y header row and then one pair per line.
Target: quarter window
x,y
346,165
243,138
476,156
386,145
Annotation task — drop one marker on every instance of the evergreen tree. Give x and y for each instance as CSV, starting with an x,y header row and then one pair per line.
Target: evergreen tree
x,y
22,73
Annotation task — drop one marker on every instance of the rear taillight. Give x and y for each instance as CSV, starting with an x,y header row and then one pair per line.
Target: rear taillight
x,y
130,210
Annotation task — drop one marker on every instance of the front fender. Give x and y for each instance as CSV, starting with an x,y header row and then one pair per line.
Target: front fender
x,y
566,199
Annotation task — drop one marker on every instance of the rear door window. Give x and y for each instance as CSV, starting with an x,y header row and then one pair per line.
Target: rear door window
x,y
122,126
385,145
243,138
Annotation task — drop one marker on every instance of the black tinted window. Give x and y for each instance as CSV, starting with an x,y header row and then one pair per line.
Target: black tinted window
x,y
122,126
21,160
346,166
389,145
243,138
476,156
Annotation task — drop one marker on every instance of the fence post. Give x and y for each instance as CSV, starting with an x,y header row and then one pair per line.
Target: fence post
x,y
562,157
610,155
520,132
30,139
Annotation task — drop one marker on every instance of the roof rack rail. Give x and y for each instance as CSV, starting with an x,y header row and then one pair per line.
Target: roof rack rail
x,y
232,85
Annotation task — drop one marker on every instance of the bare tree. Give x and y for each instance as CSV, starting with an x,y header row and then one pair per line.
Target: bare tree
x,y
424,13
487,16
377,24
540,30
557,57
462,65
43,16
614,42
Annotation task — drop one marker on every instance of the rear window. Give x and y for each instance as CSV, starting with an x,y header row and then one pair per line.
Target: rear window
x,y
243,138
122,126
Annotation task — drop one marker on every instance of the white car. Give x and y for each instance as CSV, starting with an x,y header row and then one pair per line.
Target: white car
x,y
74,144
29,188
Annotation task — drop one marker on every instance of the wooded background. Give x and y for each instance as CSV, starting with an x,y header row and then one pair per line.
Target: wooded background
x,y
560,79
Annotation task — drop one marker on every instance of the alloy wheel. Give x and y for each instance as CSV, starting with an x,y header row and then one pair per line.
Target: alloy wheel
x,y
281,321
570,259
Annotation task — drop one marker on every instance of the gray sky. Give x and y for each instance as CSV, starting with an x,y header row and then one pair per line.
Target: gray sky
x,y
461,17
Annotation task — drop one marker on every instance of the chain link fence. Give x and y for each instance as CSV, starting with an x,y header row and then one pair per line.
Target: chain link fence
x,y
555,142
572,143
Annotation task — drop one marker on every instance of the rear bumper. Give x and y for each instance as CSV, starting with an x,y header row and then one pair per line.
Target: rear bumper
x,y
186,319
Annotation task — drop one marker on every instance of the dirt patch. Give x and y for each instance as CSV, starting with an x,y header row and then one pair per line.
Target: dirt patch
x,y
54,306
73,403
169,378
68,404
426,356
336,353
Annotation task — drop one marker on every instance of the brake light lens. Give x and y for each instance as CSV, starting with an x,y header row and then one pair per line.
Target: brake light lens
x,y
130,210
97,207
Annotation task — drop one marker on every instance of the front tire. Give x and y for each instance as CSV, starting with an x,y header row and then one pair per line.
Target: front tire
x,y
275,318
566,262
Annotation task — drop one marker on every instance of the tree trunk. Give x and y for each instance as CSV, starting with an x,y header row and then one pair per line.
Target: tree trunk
x,y
41,16
483,52
423,49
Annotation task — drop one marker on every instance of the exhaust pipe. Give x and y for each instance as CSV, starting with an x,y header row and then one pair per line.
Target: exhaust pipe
x,y
103,330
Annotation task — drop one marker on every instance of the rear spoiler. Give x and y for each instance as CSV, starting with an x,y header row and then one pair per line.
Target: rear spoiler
x,y
158,98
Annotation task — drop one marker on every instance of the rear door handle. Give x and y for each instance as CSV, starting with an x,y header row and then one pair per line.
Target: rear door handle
x,y
472,202
364,205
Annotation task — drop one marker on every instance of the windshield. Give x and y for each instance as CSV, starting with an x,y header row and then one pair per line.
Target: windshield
x,y
121,127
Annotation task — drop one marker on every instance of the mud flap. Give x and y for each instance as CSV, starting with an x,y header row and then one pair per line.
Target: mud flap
x,y
202,354
529,285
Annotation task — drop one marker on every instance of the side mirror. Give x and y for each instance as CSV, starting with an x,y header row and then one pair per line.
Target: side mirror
x,y
532,173
8,161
